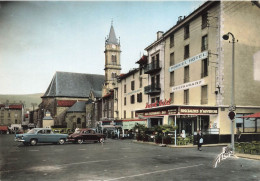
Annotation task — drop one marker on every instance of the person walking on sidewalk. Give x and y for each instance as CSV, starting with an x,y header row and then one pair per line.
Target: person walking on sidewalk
x,y
199,140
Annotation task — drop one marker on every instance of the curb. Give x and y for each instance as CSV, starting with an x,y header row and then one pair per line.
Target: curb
x,y
252,157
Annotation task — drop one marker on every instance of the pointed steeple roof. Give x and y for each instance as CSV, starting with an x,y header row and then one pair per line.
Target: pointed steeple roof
x,y
112,37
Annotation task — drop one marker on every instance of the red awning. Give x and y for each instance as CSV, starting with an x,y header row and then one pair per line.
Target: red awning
x,y
3,128
256,115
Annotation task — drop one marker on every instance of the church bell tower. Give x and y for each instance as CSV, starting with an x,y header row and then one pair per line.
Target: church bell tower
x,y
112,60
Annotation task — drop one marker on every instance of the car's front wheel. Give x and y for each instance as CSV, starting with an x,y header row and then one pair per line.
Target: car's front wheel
x,y
80,141
61,141
33,142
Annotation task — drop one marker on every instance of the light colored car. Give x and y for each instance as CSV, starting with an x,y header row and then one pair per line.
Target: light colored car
x,y
41,135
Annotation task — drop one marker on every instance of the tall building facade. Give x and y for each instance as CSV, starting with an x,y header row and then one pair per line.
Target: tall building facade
x,y
197,72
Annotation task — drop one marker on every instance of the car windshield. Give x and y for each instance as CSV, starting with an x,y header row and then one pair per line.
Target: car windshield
x,y
77,131
32,131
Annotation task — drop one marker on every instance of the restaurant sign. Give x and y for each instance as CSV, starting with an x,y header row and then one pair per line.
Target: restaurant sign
x,y
188,85
188,61
160,103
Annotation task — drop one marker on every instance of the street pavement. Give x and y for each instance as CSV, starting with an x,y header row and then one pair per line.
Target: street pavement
x,y
118,160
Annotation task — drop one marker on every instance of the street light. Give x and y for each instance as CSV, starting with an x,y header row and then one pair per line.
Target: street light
x,y
232,106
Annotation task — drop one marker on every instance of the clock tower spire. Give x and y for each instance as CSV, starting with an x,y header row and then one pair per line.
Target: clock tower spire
x,y
112,60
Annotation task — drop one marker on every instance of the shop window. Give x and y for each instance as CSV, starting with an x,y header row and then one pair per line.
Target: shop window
x,y
204,94
186,74
172,61
172,40
204,18
186,51
172,79
204,43
133,85
186,32
204,68
186,96
247,125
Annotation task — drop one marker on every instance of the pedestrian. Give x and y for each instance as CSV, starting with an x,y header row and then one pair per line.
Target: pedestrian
x,y
199,139
238,135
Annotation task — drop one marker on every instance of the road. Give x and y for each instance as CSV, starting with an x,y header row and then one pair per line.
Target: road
x,y
118,160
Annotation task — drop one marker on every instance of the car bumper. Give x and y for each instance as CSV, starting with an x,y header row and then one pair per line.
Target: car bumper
x,y
19,140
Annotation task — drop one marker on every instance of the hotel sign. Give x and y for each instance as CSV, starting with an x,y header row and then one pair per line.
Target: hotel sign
x,y
188,85
154,113
188,61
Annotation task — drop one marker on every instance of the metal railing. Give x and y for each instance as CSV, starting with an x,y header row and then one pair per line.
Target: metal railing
x,y
153,88
151,67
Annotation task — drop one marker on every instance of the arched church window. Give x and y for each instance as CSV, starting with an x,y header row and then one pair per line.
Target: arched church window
x,y
113,59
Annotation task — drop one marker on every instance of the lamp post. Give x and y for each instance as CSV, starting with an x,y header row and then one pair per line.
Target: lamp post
x,y
232,106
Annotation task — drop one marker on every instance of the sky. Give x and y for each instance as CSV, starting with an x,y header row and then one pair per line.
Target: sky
x,y
38,38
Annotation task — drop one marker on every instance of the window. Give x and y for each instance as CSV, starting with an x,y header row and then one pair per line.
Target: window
x,y
132,114
140,71
113,59
153,100
133,85
247,125
113,75
132,99
171,40
157,99
186,32
158,80
204,18
204,68
78,121
172,97
204,94
124,100
140,82
125,88
172,79
124,113
186,96
186,74
172,59
9,115
204,43
139,97
186,51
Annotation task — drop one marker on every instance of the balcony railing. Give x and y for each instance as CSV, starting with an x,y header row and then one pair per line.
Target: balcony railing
x,y
152,67
152,89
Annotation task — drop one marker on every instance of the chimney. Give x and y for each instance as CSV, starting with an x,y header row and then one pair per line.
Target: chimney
x,y
159,34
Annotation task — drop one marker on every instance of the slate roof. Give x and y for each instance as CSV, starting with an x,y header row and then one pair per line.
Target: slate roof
x,y
112,37
68,84
97,94
79,106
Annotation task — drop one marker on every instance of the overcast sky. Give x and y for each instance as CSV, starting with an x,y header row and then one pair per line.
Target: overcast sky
x,y
39,38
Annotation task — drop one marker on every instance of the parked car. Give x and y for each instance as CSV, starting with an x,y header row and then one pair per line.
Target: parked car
x,y
87,134
41,135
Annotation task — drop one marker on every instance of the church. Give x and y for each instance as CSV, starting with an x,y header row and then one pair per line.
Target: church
x,y
69,94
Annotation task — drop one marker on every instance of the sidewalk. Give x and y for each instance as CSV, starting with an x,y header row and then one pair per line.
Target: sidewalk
x,y
240,155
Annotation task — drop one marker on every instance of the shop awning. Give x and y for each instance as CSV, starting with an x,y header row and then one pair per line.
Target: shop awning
x,y
256,115
3,128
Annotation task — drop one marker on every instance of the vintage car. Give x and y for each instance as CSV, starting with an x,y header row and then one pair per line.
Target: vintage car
x,y
86,135
41,135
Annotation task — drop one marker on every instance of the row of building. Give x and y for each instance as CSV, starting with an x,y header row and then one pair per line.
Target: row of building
x,y
185,77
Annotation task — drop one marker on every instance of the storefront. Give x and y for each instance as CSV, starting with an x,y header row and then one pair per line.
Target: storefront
x,y
189,119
